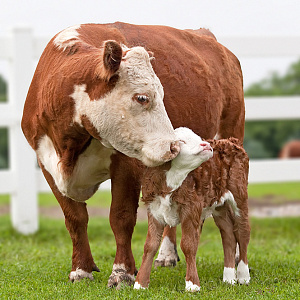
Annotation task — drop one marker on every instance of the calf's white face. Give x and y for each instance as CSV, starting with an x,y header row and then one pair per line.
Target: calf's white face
x,y
193,150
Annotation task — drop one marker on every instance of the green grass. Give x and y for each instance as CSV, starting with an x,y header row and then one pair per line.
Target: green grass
x,y
273,193
37,266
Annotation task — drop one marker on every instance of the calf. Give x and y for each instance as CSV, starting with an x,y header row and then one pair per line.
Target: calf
x,y
182,191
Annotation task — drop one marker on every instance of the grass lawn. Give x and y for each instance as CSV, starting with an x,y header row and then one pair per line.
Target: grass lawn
x,y
37,266
277,193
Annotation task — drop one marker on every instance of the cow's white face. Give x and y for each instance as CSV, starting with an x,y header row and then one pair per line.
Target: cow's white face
x,y
193,150
131,117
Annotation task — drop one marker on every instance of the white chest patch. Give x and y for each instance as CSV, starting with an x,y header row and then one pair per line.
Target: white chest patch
x,y
164,210
211,210
92,168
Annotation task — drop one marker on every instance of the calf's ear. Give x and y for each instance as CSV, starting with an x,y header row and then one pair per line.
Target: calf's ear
x,y
112,56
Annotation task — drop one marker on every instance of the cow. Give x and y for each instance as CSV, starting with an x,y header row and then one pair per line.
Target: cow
x,y
290,150
186,190
97,108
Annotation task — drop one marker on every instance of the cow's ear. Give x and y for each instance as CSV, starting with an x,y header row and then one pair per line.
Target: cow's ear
x,y
112,56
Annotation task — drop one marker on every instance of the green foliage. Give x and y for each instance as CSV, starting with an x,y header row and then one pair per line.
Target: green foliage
x,y
3,90
3,148
3,131
37,266
264,139
275,85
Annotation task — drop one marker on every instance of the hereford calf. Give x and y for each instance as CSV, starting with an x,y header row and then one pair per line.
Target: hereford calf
x,y
182,191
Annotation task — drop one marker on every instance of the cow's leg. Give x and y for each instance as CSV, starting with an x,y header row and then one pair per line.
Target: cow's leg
x,y
225,222
123,212
189,245
155,231
243,238
76,220
167,255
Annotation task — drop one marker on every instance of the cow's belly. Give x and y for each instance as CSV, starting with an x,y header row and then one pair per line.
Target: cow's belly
x,y
91,169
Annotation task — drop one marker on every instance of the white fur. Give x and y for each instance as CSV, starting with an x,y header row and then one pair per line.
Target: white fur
x,y
229,275
80,274
49,158
120,268
125,124
192,154
208,211
164,210
167,251
67,38
92,168
243,275
190,287
137,286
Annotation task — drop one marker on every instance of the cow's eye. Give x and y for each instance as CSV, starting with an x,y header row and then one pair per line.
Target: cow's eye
x,y
141,98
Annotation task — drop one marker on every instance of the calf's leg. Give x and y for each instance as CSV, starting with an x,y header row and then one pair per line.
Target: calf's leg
x,y
243,238
167,255
76,220
225,222
189,245
155,231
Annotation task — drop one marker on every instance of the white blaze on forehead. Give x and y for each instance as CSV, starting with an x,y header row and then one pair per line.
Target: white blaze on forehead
x,y
67,37
137,70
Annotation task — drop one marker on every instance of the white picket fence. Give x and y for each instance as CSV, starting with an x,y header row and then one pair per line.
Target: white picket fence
x,y
23,180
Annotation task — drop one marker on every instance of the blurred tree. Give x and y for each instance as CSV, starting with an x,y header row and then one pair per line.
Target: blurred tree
x,y
265,138
3,89
3,131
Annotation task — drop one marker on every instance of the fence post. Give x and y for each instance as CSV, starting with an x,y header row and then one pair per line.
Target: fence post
x,y
24,208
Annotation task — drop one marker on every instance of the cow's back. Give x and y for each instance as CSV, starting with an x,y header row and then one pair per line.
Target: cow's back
x,y
202,79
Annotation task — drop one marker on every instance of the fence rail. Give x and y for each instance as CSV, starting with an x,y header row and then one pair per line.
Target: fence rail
x,y
23,180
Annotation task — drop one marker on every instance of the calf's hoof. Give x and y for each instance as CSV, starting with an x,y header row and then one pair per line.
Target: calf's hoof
x,y
191,287
243,274
137,286
119,277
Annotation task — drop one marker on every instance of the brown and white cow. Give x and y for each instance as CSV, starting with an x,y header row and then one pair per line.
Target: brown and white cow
x,y
290,149
182,192
95,109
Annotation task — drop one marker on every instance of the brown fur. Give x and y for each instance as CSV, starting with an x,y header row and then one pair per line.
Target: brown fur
x,y
203,88
227,170
290,149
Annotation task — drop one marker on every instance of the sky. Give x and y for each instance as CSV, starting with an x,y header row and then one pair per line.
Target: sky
x,y
223,17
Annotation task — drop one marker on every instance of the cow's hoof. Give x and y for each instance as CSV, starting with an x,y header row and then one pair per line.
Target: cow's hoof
x,y
80,274
119,277
167,256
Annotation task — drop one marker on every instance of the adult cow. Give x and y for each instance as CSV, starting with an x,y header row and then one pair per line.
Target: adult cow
x,y
95,97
